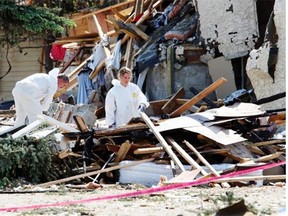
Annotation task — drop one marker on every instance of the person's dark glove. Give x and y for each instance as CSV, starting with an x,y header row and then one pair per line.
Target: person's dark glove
x,y
142,108
112,126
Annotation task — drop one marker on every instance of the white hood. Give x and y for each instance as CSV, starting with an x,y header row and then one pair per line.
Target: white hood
x,y
54,72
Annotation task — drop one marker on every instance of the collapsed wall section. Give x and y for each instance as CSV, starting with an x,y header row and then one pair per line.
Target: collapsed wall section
x,y
259,61
230,24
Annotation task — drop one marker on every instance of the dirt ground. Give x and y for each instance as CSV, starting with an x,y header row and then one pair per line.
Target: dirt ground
x,y
203,200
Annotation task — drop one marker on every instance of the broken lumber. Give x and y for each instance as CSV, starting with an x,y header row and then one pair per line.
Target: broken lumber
x,y
80,123
186,156
205,162
101,34
121,154
53,121
170,104
148,150
198,97
162,141
59,181
270,142
28,128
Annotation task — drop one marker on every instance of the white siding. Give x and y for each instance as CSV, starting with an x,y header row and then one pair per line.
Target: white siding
x,y
23,64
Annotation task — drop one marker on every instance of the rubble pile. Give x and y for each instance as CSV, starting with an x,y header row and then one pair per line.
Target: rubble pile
x,y
177,139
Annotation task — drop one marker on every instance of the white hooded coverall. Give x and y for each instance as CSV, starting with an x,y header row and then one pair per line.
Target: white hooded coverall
x,y
122,103
33,95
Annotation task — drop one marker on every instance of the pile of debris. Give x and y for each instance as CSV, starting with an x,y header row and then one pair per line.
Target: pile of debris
x,y
178,139
169,140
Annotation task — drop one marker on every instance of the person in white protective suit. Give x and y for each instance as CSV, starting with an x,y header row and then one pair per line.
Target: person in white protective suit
x,y
124,100
34,94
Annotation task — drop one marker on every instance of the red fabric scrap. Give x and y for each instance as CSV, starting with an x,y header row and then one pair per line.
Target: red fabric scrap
x,y
57,52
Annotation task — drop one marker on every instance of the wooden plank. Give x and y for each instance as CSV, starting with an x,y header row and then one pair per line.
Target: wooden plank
x,y
238,152
28,128
148,150
80,123
128,53
162,141
97,69
67,153
59,181
101,33
121,154
198,97
137,7
104,9
186,176
53,121
204,161
118,14
139,32
255,150
264,158
70,61
270,142
145,15
170,104
186,156
269,149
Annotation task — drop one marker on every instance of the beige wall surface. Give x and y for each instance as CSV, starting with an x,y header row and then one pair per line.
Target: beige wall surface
x,y
23,64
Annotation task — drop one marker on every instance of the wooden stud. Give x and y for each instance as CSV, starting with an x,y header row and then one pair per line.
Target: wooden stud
x,y
198,97
162,141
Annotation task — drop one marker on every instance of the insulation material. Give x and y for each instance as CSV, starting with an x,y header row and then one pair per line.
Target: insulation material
x,y
257,64
232,24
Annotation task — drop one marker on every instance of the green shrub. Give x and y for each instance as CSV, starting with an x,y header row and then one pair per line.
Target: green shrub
x,y
26,158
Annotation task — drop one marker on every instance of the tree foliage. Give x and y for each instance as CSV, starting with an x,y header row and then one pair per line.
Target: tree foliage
x,y
26,158
21,22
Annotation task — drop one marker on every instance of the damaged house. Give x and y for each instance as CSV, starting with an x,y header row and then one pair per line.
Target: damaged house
x,y
214,74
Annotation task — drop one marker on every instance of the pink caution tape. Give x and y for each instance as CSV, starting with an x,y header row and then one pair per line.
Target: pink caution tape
x,y
148,190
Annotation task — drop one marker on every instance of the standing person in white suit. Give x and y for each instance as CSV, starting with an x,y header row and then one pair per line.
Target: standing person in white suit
x,y
124,100
34,94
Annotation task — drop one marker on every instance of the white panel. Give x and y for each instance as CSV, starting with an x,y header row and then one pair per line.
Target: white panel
x,y
230,23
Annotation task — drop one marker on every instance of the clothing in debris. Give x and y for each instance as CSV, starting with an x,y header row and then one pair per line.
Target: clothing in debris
x,y
34,94
85,84
123,100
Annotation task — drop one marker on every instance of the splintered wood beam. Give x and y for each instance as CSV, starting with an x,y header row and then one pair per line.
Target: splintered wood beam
x,y
148,150
70,61
97,69
122,152
128,53
118,14
145,15
270,142
28,129
148,12
78,68
101,33
139,32
137,8
162,141
204,161
264,158
198,97
186,156
170,104
52,121
104,9
80,123
95,172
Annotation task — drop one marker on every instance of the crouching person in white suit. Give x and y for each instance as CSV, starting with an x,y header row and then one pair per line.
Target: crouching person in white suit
x,y
34,94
